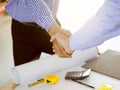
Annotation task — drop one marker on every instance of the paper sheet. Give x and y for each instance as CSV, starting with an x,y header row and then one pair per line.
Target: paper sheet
x,y
32,71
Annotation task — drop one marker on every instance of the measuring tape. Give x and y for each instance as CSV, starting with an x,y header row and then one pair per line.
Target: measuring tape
x,y
105,87
50,79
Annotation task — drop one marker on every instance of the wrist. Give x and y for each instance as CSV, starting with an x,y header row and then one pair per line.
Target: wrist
x,y
54,29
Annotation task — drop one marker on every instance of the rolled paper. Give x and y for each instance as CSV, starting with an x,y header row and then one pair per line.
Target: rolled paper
x,y
32,71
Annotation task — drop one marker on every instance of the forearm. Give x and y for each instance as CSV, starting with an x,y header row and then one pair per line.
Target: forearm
x,y
103,26
31,11
54,28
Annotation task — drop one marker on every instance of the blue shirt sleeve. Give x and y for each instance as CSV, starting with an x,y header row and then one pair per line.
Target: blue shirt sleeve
x,y
31,11
105,25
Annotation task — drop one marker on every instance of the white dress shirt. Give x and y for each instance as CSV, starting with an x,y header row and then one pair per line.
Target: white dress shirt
x,y
105,25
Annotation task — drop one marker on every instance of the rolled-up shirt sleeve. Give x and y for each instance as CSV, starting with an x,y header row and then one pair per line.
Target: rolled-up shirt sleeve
x,y
31,11
105,25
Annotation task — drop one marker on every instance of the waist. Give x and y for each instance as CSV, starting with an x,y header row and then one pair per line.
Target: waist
x,y
31,24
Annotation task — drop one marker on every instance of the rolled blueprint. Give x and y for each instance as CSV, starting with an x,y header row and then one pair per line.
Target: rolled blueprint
x,y
32,71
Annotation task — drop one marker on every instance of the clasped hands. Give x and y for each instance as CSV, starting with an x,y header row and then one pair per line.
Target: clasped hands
x,y
61,41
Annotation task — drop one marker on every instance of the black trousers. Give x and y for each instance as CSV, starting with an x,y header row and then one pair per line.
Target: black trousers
x,y
28,42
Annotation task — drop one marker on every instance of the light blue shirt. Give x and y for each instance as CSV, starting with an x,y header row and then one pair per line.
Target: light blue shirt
x,y
105,25
41,12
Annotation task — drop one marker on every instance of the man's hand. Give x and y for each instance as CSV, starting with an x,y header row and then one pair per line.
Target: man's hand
x,y
63,38
57,48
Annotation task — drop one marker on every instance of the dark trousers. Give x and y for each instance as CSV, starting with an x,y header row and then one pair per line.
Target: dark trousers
x,y
28,42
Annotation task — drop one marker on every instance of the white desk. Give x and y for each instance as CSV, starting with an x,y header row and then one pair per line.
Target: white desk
x,y
95,79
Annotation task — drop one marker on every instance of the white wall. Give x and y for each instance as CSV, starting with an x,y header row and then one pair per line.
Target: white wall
x,y
6,57
74,13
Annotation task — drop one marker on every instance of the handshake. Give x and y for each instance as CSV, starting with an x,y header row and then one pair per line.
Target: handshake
x,y
61,41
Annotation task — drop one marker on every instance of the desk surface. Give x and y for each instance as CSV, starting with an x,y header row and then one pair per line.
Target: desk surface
x,y
95,79
59,65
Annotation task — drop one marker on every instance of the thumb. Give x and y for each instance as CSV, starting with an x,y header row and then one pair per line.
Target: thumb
x,y
52,38
66,32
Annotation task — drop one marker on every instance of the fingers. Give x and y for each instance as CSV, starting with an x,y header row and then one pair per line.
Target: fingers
x,y
60,33
60,50
68,53
59,38
66,32
52,38
61,44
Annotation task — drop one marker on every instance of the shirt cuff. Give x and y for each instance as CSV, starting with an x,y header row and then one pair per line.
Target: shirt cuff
x,y
47,22
72,40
